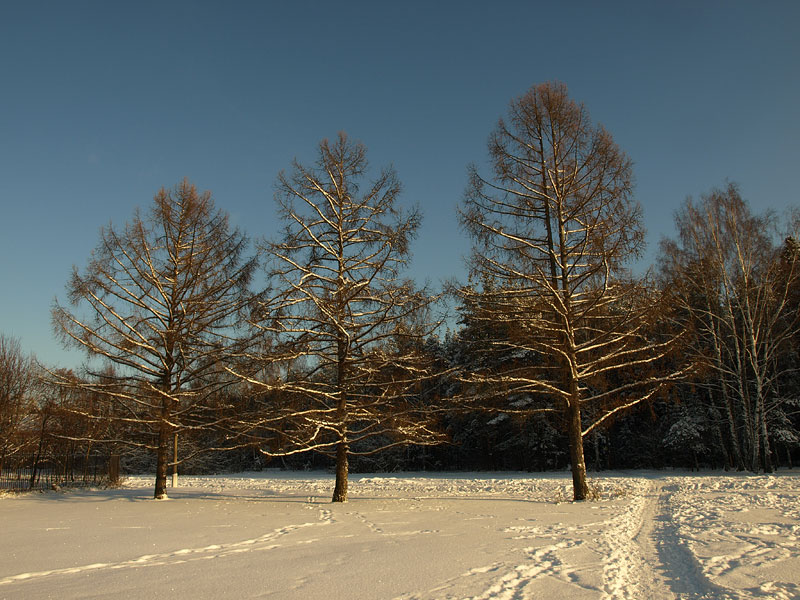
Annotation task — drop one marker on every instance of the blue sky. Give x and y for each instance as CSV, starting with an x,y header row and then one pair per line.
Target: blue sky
x,y
103,103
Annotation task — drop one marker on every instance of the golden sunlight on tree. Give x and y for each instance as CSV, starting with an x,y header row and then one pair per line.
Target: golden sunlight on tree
x,y
159,301
553,225
345,330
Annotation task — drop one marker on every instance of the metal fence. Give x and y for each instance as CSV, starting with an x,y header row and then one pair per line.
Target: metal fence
x,y
43,472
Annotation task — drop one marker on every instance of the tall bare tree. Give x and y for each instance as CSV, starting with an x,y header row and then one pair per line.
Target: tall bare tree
x,y
159,300
735,285
553,226
345,329
17,378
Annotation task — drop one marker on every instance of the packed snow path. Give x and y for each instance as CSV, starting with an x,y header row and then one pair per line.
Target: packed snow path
x,y
500,536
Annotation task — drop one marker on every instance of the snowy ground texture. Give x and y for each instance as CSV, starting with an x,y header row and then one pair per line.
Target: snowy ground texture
x,y
481,536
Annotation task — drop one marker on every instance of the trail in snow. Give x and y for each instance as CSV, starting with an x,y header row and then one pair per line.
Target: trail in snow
x,y
647,549
606,546
680,568
742,534
626,573
421,537
268,541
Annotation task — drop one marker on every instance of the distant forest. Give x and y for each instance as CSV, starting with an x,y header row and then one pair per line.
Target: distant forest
x,y
207,353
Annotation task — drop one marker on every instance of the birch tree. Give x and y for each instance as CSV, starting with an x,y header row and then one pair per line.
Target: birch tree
x,y
736,287
346,329
81,421
553,225
17,378
159,301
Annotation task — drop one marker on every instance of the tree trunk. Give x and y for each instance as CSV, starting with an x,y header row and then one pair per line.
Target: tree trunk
x,y
580,488
764,436
755,439
728,403
86,460
175,461
719,439
734,436
596,440
164,438
38,456
340,489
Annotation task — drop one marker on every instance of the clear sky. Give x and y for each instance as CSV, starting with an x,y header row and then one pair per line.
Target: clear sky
x,y
102,103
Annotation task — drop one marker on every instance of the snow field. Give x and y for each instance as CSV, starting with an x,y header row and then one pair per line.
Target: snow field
x,y
415,536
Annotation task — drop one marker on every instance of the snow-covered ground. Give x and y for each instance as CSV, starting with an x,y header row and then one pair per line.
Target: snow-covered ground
x,y
481,536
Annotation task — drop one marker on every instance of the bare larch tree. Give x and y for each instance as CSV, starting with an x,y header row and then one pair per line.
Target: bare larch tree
x,y
344,327
553,227
159,300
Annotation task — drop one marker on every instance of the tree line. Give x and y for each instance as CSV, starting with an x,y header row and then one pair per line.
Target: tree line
x,y
319,345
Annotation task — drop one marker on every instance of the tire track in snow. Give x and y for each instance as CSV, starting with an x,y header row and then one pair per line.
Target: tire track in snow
x,y
184,555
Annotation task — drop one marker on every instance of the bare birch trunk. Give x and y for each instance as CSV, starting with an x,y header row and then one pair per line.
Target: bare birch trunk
x,y
729,256
728,461
764,438
735,447
753,426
